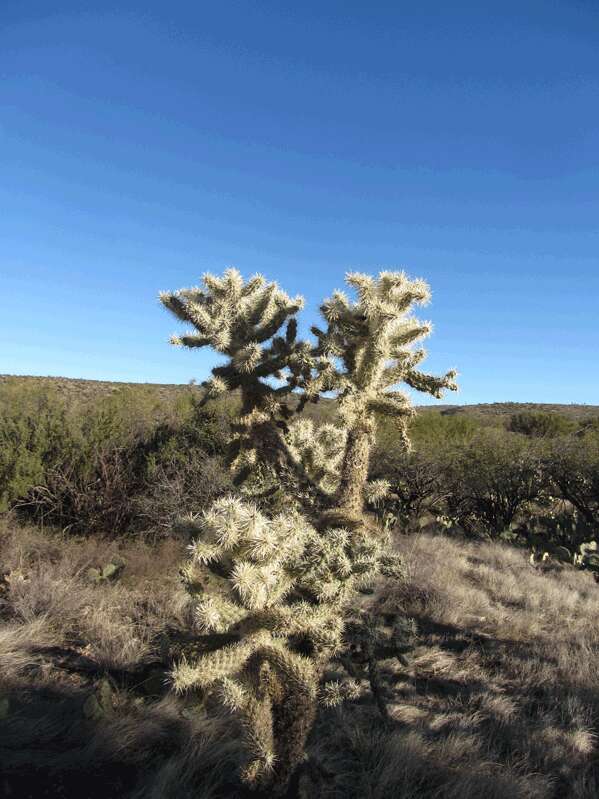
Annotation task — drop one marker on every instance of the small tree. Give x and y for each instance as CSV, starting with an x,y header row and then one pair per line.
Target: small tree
x,y
573,469
280,588
490,481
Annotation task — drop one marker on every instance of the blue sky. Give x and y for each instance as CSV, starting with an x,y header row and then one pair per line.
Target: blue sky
x,y
143,143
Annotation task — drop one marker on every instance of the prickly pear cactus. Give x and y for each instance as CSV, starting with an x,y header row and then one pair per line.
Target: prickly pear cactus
x,y
588,557
108,572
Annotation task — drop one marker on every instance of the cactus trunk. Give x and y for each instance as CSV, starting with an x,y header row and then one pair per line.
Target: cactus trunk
x,y
354,470
280,586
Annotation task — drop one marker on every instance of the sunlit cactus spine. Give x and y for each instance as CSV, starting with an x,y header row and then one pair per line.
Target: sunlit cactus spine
x,y
278,587
242,320
319,448
369,347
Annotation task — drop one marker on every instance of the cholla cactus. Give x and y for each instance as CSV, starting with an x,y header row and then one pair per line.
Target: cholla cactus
x,y
365,350
319,449
368,344
241,320
279,587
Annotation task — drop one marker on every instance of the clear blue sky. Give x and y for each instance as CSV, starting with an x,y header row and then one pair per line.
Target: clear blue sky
x,y
143,143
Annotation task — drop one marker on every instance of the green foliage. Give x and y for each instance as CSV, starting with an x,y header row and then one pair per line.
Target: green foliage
x,y
433,431
96,468
108,572
589,427
480,487
573,469
540,425
34,430
490,481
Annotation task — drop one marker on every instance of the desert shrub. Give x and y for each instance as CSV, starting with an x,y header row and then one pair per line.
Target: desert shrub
x,y
87,480
88,468
588,427
572,466
417,485
559,524
490,481
539,424
34,429
172,488
428,430
183,468
417,488
51,454
198,428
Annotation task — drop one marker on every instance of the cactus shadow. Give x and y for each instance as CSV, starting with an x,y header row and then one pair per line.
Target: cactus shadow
x,y
52,745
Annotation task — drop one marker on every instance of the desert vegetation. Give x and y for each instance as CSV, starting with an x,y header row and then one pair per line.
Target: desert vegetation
x,y
284,581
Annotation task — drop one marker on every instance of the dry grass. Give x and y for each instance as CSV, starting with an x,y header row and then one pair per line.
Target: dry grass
x,y
501,697
46,587
85,709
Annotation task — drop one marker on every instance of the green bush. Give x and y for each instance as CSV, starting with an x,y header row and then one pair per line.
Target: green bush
x,y
572,466
427,430
540,424
34,429
490,481
130,460
87,467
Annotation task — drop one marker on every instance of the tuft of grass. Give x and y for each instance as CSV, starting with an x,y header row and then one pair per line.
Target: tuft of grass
x,y
46,586
499,699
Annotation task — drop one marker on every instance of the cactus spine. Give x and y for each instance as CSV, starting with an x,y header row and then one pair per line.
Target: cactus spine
x,y
280,588
241,320
372,339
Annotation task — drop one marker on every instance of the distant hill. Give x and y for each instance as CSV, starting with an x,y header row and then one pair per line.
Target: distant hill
x,y
573,410
79,390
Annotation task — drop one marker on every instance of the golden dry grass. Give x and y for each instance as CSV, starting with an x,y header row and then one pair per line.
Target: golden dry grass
x,y
46,587
500,699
